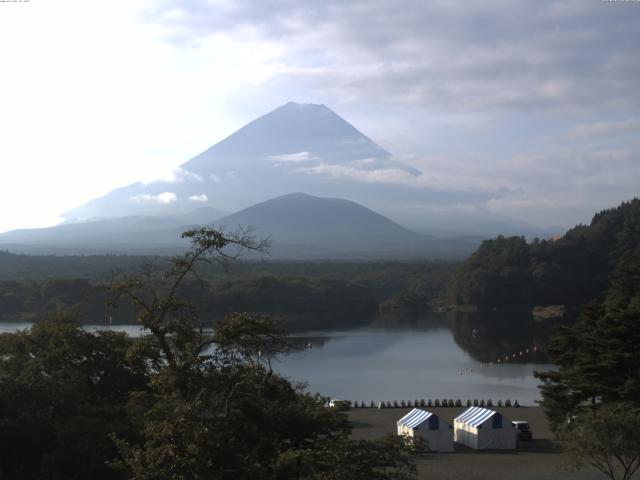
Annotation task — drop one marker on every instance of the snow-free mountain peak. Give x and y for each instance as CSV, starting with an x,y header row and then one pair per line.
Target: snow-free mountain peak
x,y
305,145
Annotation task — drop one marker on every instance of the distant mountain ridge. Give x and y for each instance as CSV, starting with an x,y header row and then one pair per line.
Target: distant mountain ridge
x,y
127,234
307,146
300,226
302,218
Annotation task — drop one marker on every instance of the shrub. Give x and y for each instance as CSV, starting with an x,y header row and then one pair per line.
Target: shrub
x,y
458,403
489,403
482,403
516,404
430,403
475,402
372,404
444,402
395,404
468,402
436,403
403,404
507,403
499,403
422,403
416,403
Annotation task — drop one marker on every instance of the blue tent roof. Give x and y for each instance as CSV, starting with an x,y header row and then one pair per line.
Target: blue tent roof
x,y
415,418
475,416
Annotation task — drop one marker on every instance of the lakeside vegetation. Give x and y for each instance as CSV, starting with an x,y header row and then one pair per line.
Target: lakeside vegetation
x,y
305,295
570,271
174,403
179,404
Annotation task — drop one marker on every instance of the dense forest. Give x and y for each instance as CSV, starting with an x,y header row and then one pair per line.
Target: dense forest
x,y
176,403
570,271
306,295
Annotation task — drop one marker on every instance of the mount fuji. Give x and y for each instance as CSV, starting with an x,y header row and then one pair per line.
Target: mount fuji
x,y
295,148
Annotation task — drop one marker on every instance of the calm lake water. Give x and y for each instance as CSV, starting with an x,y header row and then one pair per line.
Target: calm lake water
x,y
402,364
372,364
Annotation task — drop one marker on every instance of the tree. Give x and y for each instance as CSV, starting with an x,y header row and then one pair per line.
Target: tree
x,y
254,337
214,409
607,439
178,403
175,323
389,458
63,390
598,357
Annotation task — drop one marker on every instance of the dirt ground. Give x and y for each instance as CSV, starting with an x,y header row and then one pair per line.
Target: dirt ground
x,y
535,460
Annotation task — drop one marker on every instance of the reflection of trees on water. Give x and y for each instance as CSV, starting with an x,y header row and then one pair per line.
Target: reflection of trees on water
x,y
300,343
423,322
489,336
485,336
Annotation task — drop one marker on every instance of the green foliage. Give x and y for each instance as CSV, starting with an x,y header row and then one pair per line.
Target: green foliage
x,y
62,392
605,438
598,357
176,404
252,336
572,270
306,295
303,303
389,458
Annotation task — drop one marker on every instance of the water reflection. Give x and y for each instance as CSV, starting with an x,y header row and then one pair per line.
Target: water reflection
x,y
440,356
395,364
512,337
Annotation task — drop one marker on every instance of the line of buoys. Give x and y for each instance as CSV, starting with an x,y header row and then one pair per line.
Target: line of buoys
x,y
506,359
515,355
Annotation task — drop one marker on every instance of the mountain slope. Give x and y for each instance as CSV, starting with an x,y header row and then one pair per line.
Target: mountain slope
x,y
305,145
304,226
300,226
571,270
302,218
128,234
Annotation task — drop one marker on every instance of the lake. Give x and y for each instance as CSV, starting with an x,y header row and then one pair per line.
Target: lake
x,y
376,364
405,364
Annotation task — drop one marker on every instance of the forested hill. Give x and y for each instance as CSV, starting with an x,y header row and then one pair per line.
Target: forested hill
x,y
571,270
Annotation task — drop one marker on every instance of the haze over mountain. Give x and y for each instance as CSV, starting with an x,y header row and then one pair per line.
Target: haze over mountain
x,y
296,146
299,147
154,234
302,147
300,226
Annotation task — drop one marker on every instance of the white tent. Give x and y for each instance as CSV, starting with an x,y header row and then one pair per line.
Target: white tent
x,y
428,426
484,429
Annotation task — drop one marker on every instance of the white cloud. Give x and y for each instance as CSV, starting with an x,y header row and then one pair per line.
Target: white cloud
x,y
215,178
164,198
380,175
177,175
298,157
199,198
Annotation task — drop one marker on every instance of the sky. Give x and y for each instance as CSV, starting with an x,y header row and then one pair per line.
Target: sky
x,y
535,104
